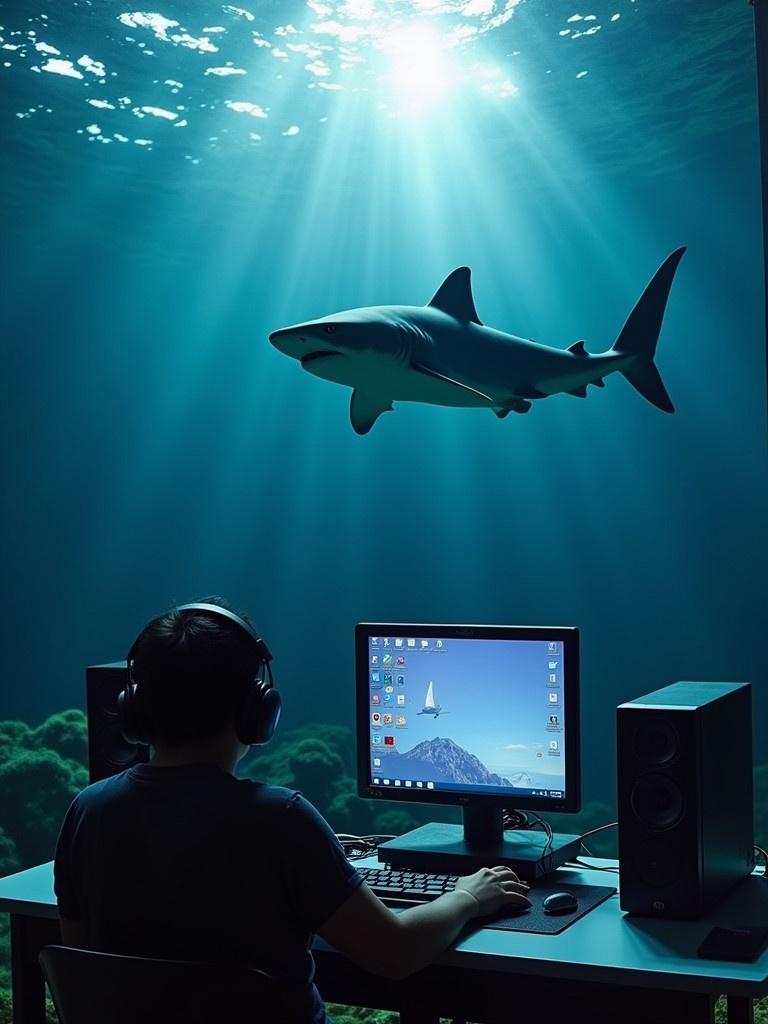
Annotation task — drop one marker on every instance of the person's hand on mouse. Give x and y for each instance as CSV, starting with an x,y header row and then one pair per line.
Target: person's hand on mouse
x,y
494,888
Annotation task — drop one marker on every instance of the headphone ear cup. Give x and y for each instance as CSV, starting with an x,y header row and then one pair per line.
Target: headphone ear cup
x,y
257,720
130,717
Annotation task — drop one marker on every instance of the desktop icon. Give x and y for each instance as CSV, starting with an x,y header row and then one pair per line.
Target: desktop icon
x,y
400,680
387,678
553,744
401,700
419,784
387,719
385,781
553,677
389,688
386,641
375,782
375,698
377,762
438,643
401,661
411,642
398,642
409,784
553,698
374,659
376,718
539,753
424,643
551,646
376,678
397,782
374,641
400,720
387,698
376,738
554,719
389,741
386,660
552,665
430,785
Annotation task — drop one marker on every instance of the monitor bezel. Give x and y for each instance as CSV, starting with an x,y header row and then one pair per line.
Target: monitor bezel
x,y
571,803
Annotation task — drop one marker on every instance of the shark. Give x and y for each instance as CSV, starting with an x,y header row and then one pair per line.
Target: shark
x,y
443,354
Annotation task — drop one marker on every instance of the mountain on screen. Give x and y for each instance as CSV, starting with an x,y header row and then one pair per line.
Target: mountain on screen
x,y
445,761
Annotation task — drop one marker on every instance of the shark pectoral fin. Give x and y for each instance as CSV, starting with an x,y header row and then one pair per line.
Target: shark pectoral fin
x,y
465,388
365,408
515,405
454,297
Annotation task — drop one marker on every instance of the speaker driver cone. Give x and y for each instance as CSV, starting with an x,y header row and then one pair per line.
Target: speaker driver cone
x,y
656,743
657,801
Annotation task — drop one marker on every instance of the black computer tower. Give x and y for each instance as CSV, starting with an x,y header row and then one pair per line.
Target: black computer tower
x,y
685,808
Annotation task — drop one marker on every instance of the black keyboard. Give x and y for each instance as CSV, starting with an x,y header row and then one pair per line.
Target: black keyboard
x,y
403,887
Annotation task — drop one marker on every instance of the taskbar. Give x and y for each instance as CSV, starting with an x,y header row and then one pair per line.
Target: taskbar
x,y
514,792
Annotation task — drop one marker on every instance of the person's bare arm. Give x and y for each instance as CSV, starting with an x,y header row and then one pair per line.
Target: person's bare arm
x,y
73,933
396,945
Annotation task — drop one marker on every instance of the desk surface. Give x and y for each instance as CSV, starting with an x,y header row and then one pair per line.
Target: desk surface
x,y
603,946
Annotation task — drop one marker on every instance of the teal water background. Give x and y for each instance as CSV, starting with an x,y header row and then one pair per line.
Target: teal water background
x,y
157,448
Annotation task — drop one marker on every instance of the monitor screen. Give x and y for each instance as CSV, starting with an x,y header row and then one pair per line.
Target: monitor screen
x,y
448,714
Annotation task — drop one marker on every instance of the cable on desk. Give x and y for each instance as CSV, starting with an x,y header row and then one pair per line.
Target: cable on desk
x,y
577,862
764,855
518,820
513,819
357,847
546,855
600,828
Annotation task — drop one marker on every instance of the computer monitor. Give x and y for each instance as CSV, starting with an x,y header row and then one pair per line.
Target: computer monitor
x,y
486,717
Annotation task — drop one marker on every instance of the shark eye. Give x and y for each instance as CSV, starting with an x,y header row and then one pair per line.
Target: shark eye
x,y
330,328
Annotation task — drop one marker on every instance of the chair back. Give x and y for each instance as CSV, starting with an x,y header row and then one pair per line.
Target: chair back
x,y
103,988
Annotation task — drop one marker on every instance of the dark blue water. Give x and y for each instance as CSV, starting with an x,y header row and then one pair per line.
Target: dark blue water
x,y
157,448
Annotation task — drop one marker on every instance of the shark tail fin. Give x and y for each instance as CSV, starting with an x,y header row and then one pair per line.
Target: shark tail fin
x,y
640,334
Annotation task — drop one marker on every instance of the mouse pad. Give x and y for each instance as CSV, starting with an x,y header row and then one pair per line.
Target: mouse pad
x,y
535,920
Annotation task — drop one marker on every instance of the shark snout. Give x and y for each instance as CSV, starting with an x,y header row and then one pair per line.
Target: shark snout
x,y
301,343
292,341
286,332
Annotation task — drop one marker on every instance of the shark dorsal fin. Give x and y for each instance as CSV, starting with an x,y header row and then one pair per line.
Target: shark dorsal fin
x,y
454,297
578,348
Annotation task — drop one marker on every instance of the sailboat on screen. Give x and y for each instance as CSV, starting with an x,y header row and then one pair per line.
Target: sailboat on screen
x,y
430,705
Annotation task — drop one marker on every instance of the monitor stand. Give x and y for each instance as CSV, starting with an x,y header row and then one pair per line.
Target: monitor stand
x,y
480,842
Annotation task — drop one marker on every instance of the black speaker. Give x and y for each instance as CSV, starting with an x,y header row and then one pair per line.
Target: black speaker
x,y
686,833
108,752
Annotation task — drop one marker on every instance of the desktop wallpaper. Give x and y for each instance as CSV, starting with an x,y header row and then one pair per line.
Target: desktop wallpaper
x,y
472,715
183,180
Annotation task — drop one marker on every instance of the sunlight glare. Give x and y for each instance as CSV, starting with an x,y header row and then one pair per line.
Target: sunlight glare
x,y
419,67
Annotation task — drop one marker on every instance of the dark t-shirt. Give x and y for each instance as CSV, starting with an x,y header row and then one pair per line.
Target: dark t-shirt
x,y
190,863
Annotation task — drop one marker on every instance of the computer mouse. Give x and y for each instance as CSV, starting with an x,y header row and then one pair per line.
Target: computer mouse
x,y
560,903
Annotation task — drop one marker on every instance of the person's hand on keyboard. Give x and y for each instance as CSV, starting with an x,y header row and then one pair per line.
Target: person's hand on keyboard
x,y
494,888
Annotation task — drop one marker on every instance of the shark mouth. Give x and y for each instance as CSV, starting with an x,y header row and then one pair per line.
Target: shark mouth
x,y
312,357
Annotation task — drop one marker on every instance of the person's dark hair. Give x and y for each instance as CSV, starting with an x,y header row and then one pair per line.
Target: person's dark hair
x,y
193,670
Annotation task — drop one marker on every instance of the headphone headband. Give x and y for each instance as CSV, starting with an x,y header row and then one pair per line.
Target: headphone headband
x,y
264,652
256,720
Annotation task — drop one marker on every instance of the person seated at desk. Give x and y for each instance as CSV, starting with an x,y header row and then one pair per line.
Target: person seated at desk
x,y
177,858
